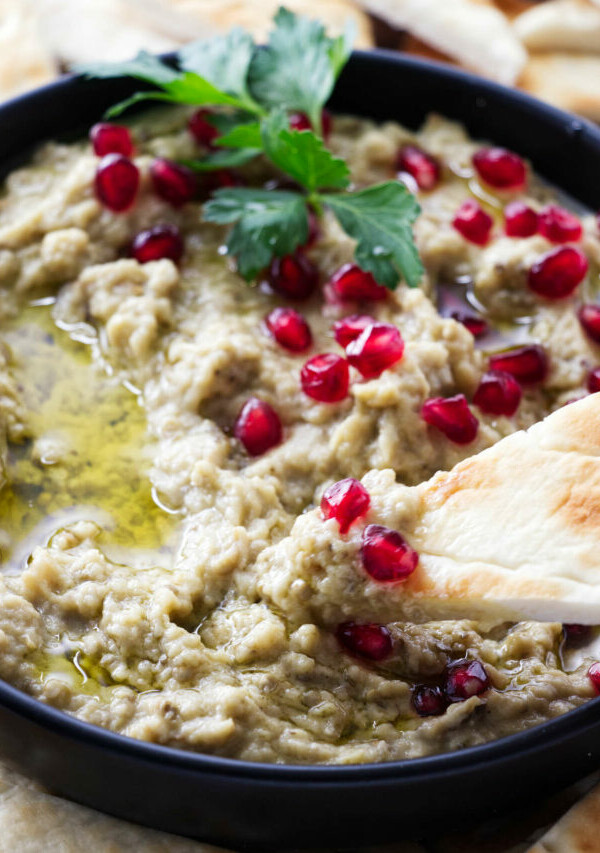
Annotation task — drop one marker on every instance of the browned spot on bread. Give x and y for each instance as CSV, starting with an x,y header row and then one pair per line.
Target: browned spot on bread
x,y
577,427
488,582
512,8
577,496
478,472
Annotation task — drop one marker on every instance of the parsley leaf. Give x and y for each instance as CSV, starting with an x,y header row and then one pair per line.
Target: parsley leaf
x,y
259,87
341,48
222,160
223,61
242,136
174,86
267,223
379,219
298,67
302,155
144,66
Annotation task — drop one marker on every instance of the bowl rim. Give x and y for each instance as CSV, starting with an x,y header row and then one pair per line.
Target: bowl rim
x,y
503,749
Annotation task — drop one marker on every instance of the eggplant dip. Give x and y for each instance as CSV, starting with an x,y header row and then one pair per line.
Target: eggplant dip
x,y
167,430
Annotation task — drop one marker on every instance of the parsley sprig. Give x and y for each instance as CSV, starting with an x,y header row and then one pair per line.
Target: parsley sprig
x,y
255,88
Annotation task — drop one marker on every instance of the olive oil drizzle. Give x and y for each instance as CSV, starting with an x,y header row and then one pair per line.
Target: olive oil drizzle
x,y
100,471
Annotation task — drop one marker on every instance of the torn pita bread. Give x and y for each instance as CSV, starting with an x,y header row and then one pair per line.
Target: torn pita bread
x,y
256,15
511,533
516,528
25,62
578,831
112,30
108,31
32,820
567,80
473,32
561,25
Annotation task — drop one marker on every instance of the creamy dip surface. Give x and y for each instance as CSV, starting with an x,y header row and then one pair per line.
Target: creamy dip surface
x,y
163,583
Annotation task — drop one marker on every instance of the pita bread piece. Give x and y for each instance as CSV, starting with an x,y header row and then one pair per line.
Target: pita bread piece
x,y
472,32
567,80
510,534
561,25
103,32
517,527
578,831
25,62
32,821
256,16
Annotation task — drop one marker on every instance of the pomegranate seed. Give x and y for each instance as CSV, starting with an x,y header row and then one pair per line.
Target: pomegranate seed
x,y
594,676
117,181
172,182
558,272
520,220
527,364
220,178
499,393
300,121
376,349
289,328
452,416
476,325
589,317
201,129
345,501
593,380
350,283
258,427
424,168
500,168
370,641
559,226
576,633
161,241
314,230
349,328
465,678
428,701
111,139
473,223
326,378
293,276
386,555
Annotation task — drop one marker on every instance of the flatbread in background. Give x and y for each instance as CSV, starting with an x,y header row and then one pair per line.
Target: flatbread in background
x,y
25,60
473,32
38,36
32,821
576,832
566,80
256,15
561,25
105,30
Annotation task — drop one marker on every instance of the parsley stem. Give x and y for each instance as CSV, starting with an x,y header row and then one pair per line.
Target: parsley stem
x,y
314,200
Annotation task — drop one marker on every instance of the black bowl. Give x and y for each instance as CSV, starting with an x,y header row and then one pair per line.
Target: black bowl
x,y
260,806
